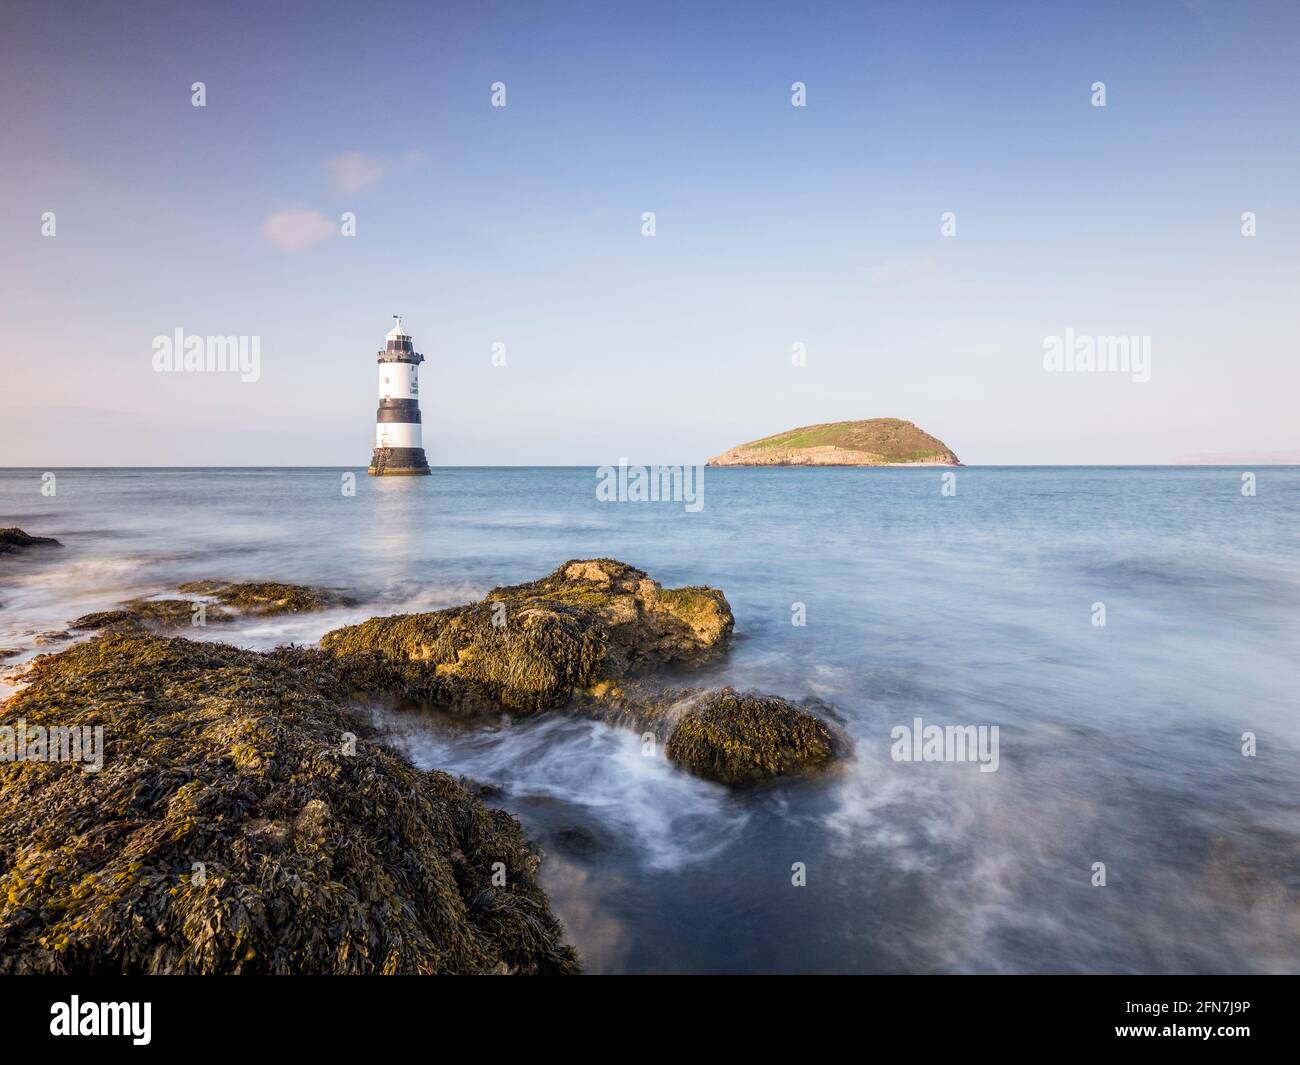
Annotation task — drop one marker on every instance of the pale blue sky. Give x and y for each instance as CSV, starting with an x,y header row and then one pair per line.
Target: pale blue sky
x,y
522,225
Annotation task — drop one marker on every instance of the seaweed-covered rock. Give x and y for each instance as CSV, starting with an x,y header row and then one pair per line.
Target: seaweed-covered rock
x,y
266,597
466,658
150,614
15,540
649,626
530,647
256,599
743,738
106,619
238,826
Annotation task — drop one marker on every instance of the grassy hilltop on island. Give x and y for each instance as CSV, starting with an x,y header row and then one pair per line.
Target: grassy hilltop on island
x,y
872,442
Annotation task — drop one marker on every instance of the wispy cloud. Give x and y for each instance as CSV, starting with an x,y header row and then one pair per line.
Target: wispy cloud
x,y
353,172
296,229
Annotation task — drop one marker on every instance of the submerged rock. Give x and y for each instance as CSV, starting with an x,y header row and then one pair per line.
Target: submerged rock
x,y
529,647
15,540
744,738
239,825
579,840
41,639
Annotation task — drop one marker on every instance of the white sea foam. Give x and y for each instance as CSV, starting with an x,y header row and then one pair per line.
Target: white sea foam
x,y
669,818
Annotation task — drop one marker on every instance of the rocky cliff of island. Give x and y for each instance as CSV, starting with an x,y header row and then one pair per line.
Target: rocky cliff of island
x,y
873,442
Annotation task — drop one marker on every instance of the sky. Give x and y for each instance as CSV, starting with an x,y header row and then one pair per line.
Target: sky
x,y
518,231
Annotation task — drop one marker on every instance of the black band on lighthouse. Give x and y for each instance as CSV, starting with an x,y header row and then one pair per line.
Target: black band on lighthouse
x,y
398,415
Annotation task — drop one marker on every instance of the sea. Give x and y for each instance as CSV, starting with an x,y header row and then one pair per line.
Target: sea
x,y
1133,633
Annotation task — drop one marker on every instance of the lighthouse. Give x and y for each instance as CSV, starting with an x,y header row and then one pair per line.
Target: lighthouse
x,y
398,445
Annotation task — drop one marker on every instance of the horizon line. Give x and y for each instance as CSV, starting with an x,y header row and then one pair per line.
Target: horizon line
x,y
585,466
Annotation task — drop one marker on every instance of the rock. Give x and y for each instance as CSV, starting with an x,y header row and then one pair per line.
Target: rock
x,y
149,614
43,639
582,638
16,540
460,660
258,599
105,619
579,840
230,831
529,647
649,626
872,442
9,652
744,738
262,598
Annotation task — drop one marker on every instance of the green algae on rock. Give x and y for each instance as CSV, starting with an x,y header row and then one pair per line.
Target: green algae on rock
x,y
530,647
744,738
239,825
13,539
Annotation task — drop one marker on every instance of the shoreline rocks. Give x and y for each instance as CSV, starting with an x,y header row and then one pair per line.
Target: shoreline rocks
x,y
588,636
245,821
247,818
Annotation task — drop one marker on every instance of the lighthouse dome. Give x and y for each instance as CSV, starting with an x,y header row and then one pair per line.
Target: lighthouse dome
x,y
397,332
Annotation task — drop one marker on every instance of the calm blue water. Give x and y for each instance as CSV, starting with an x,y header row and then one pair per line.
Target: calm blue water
x,y
1118,744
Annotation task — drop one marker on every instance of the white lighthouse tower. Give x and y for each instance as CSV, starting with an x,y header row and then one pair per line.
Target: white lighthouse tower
x,y
399,448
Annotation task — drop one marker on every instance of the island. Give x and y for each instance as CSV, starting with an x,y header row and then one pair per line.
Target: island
x,y
872,442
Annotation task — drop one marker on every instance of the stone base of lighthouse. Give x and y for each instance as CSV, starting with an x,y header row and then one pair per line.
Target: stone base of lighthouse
x,y
398,462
